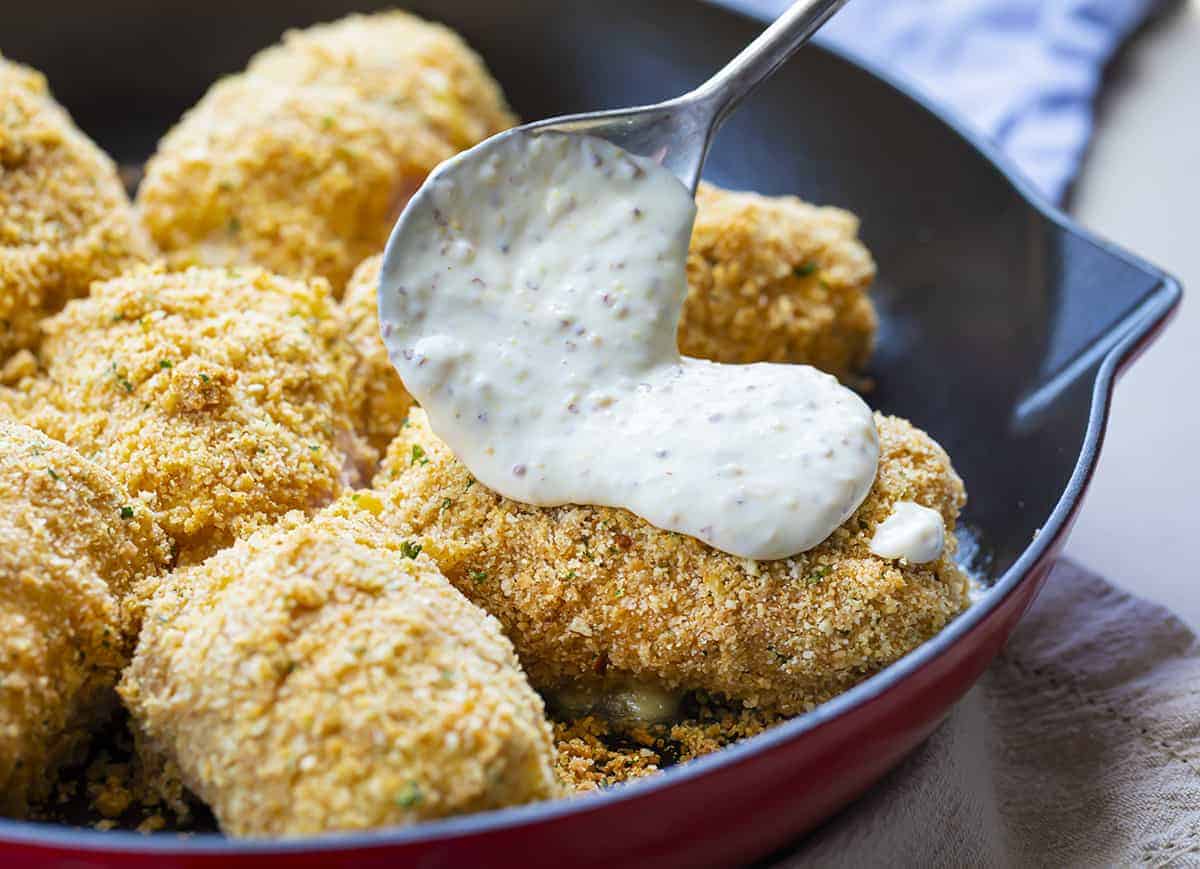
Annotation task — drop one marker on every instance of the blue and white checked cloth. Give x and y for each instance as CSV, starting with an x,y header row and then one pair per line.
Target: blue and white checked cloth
x,y
1023,72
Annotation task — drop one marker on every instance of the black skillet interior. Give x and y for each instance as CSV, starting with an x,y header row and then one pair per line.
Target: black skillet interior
x,y
991,312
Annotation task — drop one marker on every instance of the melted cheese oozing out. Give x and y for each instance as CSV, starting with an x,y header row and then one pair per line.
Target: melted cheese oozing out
x,y
529,301
912,532
627,701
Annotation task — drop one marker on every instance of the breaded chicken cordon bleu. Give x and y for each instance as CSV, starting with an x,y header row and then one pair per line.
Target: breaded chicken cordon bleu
x,y
73,546
776,279
302,163
597,600
222,395
65,219
323,675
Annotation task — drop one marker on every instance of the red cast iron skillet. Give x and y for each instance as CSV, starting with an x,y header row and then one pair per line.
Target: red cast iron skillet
x,y
1004,326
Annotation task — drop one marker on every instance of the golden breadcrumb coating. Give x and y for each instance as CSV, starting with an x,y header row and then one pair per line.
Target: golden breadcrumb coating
x,y
72,543
775,279
303,163
322,675
381,402
587,591
64,217
401,60
304,181
770,279
220,394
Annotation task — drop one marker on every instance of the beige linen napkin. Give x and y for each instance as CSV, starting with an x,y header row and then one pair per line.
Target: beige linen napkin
x,y
1079,747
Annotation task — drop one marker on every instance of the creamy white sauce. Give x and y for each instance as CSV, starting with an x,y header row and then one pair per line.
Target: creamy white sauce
x,y
530,300
911,532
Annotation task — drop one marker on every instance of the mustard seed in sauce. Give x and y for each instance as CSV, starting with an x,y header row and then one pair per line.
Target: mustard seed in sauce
x,y
537,329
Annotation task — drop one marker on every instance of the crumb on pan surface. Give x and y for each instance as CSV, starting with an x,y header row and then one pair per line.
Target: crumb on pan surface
x,y
593,753
302,163
221,396
65,219
776,279
321,675
588,591
72,545
113,787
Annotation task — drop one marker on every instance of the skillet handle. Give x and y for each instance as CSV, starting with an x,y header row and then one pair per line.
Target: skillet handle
x,y
1110,305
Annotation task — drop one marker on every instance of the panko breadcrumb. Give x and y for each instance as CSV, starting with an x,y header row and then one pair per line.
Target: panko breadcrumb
x,y
303,163
775,279
304,181
322,675
588,592
400,60
220,394
65,219
380,400
72,544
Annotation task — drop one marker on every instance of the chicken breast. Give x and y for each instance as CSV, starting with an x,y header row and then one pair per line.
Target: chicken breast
x,y
775,279
65,220
221,395
73,544
302,163
595,598
322,675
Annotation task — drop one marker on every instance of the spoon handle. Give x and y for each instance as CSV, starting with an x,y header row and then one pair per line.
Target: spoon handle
x,y
758,60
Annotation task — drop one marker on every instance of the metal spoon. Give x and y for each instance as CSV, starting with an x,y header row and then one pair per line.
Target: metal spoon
x,y
677,133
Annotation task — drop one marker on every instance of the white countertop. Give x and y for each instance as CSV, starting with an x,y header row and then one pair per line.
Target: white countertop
x,y
1140,187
